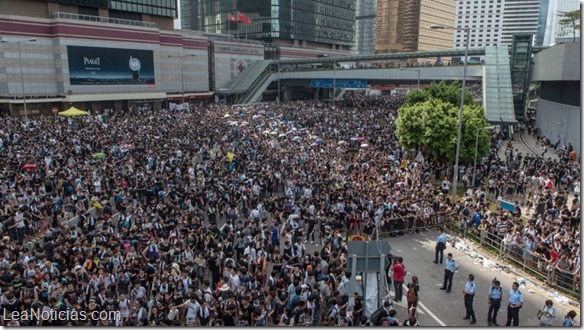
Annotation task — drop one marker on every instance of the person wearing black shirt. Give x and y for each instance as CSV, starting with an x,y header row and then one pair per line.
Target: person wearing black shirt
x,y
311,225
288,254
18,282
214,264
228,316
357,308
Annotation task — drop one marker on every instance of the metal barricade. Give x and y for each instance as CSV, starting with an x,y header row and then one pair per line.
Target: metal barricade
x,y
529,261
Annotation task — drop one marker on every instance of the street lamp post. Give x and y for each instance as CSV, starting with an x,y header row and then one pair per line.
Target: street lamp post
x,y
334,80
22,72
278,81
182,76
474,167
419,72
459,136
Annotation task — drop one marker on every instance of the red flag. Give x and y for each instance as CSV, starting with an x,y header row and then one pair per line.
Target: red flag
x,y
243,18
231,18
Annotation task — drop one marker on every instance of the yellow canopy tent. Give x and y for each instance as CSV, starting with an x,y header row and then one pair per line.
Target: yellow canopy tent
x,y
72,112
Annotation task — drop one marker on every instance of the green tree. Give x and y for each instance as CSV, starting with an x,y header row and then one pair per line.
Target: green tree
x,y
570,20
431,126
443,91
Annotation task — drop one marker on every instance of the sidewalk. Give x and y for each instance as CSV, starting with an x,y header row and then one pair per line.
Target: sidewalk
x,y
530,147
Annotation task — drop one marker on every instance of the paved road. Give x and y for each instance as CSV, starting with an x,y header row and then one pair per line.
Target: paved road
x,y
439,308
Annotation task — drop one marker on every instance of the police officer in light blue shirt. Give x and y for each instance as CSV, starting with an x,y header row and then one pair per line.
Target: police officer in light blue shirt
x,y
469,292
495,295
440,246
515,303
450,267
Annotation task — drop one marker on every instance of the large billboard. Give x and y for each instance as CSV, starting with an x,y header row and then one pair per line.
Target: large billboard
x,y
110,66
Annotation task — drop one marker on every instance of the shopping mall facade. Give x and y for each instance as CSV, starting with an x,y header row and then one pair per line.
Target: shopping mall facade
x,y
52,57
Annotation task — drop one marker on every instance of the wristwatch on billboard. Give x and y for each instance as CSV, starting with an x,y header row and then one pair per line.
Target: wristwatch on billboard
x,y
135,66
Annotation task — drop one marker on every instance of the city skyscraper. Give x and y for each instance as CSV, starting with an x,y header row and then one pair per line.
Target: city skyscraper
x,y
405,25
519,17
494,22
484,18
310,23
365,27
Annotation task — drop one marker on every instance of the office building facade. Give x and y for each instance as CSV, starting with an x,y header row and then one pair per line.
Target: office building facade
x,y
59,53
519,17
484,19
405,25
365,27
495,22
309,23
55,54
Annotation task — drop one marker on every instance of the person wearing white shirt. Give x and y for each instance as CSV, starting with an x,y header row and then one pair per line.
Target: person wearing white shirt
x,y
548,314
251,253
234,279
192,311
255,213
291,218
469,292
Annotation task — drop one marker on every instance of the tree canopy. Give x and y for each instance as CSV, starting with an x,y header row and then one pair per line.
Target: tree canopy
x,y
570,21
428,121
443,91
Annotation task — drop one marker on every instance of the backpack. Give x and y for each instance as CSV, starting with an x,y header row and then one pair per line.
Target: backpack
x,y
153,252
411,295
375,318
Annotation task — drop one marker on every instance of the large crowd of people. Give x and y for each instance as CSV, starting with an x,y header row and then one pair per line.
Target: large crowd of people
x,y
236,215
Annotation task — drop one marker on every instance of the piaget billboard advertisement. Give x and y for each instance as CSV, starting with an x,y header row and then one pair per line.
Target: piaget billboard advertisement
x,y
110,66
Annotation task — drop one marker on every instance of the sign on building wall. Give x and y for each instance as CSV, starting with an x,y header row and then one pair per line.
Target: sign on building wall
x,y
110,66
338,83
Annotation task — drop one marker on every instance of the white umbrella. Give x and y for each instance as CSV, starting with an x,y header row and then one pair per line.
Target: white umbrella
x,y
231,123
282,135
354,139
274,133
296,139
226,115
364,145
342,142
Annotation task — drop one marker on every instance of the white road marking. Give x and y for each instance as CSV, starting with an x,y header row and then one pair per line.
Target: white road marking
x,y
422,306
404,304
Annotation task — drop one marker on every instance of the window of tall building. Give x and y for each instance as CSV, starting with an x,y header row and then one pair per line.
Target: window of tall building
x,y
89,11
125,15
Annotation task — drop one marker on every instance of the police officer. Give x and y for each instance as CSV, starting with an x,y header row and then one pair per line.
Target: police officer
x,y
495,295
440,246
450,267
469,292
515,303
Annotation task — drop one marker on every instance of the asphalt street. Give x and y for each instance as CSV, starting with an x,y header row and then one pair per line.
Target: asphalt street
x,y
438,308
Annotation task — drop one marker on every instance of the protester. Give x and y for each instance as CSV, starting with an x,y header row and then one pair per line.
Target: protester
x,y
547,314
206,216
569,319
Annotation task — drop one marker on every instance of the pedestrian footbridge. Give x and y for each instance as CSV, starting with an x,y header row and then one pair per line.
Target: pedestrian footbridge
x,y
270,76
